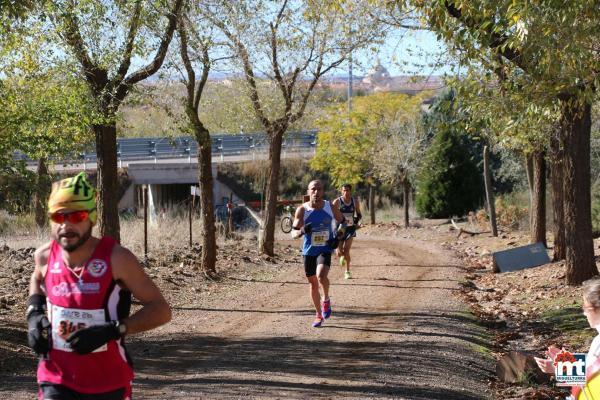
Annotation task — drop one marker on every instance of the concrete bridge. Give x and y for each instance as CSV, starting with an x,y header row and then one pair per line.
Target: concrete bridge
x,y
169,166
170,182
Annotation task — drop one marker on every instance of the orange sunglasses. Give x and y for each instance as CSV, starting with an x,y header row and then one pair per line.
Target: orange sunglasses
x,y
73,217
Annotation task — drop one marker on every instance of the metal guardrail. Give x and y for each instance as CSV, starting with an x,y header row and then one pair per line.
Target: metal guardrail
x,y
131,149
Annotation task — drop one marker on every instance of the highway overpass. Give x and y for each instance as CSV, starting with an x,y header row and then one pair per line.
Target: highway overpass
x,y
169,165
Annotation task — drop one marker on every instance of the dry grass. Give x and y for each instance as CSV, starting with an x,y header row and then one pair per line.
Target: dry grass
x,y
389,212
20,231
171,232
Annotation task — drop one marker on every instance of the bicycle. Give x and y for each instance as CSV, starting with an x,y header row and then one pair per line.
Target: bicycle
x,y
287,220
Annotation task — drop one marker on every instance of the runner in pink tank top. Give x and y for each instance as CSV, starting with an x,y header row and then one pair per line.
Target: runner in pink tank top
x,y
80,296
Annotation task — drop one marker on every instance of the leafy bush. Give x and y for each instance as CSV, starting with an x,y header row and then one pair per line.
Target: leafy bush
x,y
17,186
449,182
510,213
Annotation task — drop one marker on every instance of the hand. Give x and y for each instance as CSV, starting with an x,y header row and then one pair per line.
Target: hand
x,y
545,364
37,334
86,340
38,325
307,228
553,351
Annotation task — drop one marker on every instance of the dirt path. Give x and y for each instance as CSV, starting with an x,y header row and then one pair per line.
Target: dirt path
x,y
396,331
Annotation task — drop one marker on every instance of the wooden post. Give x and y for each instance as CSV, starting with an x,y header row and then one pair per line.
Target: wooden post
x,y
406,186
488,190
372,203
230,214
145,190
191,212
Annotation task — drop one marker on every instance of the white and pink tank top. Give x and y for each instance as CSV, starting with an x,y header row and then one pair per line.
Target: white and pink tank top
x,y
77,299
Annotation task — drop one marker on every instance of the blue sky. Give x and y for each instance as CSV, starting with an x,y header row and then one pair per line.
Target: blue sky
x,y
407,53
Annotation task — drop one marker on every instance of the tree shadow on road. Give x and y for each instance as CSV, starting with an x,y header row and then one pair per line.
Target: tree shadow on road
x,y
17,362
355,282
437,362
430,357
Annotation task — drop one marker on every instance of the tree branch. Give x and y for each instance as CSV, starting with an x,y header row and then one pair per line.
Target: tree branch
x,y
280,14
96,77
204,77
496,40
146,71
275,62
133,28
248,70
190,82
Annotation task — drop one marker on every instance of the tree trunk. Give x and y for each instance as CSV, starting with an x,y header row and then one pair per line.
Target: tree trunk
x,y
529,173
489,191
205,178
267,240
580,264
538,205
372,203
406,186
558,210
107,180
41,193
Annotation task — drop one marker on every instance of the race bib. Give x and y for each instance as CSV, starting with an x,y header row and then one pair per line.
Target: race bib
x,y
68,320
319,238
349,218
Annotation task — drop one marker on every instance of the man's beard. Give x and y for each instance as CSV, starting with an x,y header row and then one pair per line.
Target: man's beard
x,y
82,239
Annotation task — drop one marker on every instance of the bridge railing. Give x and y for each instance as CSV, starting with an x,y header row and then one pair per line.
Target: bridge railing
x,y
132,149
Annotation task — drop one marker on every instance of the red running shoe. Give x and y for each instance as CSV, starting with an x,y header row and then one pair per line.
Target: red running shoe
x,y
326,307
318,321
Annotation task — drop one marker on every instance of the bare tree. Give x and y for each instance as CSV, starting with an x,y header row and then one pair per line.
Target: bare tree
x,y
290,45
195,52
397,154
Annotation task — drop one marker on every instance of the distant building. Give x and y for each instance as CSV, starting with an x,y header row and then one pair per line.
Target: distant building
x,y
377,76
378,79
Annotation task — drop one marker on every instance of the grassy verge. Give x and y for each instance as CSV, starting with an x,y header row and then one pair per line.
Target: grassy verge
x,y
571,323
480,332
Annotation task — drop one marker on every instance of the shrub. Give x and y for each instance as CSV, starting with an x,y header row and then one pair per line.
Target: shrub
x,y
449,182
17,186
509,212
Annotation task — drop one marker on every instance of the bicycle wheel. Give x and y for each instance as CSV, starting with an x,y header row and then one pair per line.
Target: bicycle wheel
x,y
286,224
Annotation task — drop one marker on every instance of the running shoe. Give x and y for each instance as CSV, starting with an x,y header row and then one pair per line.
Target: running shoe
x,y
342,261
318,321
347,275
326,307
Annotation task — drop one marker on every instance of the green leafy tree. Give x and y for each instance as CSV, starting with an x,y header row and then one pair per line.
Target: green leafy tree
x,y
450,182
520,123
45,113
47,118
544,49
381,138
